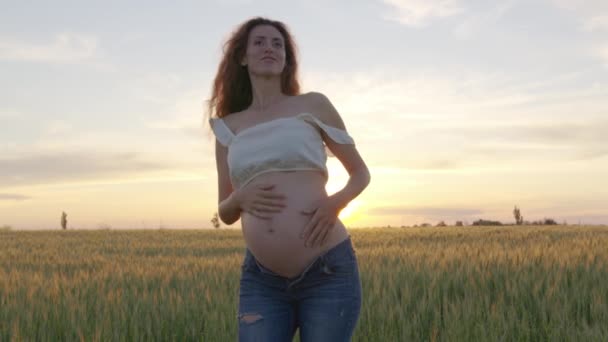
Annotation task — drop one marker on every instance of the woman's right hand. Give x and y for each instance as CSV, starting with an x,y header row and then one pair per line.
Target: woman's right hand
x,y
260,200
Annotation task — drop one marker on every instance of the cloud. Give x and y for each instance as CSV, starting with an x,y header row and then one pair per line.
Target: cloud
x,y
63,48
588,6
471,21
597,23
477,21
593,14
233,2
184,116
417,162
13,197
593,18
574,140
58,127
417,99
601,52
419,13
437,213
53,167
9,113
435,164
155,87
549,133
466,120
591,153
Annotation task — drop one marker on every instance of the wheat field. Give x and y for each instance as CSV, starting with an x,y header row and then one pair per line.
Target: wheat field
x,y
527,283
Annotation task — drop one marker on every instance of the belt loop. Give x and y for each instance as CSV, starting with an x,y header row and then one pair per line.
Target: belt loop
x,y
323,260
324,266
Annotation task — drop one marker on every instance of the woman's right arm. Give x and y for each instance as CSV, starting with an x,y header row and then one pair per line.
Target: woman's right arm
x,y
229,208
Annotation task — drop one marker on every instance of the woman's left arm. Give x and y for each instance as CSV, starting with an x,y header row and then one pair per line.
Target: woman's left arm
x,y
325,213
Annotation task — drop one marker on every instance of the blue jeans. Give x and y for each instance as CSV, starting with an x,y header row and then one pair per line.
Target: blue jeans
x,y
324,301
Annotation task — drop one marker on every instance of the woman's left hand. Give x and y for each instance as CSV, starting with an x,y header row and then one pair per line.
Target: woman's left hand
x,y
325,213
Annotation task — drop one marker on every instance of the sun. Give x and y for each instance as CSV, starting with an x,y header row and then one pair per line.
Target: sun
x,y
349,214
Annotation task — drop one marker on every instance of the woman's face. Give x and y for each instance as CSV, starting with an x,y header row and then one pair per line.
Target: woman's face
x,y
265,54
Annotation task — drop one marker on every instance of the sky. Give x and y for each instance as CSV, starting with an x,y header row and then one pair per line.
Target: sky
x,y
461,110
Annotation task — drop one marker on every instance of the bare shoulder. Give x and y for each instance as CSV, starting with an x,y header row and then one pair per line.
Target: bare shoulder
x,y
324,109
232,120
315,99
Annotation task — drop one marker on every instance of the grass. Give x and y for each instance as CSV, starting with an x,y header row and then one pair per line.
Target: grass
x,y
530,283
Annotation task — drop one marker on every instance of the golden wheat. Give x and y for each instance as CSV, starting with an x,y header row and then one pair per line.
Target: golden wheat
x,y
523,283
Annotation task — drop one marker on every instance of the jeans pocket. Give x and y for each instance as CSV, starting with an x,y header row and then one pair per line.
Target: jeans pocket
x,y
345,264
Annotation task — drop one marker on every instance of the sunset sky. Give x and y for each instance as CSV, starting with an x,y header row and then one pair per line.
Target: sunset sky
x,y
461,109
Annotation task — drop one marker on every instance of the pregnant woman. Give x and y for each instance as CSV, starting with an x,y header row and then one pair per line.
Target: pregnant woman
x,y
300,269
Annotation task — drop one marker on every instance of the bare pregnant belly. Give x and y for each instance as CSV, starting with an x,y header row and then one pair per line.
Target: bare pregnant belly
x,y
276,242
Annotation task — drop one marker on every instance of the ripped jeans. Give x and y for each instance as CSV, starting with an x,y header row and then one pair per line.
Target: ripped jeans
x,y
324,301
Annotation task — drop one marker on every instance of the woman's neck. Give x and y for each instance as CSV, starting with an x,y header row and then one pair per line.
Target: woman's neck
x,y
266,93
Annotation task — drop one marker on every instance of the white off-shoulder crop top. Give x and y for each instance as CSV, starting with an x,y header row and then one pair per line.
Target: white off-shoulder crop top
x,y
283,144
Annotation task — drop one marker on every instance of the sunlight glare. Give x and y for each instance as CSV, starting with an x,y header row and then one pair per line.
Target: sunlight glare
x,y
338,178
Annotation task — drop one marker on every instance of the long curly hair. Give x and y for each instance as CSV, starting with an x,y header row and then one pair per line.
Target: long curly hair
x,y
231,90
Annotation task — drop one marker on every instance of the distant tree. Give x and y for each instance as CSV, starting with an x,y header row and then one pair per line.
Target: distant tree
x,y
425,225
5,227
441,224
215,221
481,222
64,220
549,221
518,218
458,223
